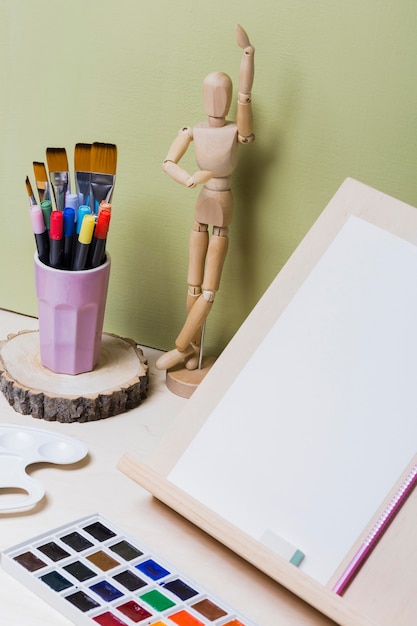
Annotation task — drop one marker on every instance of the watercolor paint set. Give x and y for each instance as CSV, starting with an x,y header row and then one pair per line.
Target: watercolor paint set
x,y
94,573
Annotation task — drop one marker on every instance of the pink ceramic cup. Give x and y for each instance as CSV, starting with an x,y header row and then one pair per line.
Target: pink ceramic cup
x,y
71,306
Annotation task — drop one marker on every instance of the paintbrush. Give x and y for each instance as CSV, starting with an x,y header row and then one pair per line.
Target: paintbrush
x,y
82,172
41,178
58,174
103,172
29,190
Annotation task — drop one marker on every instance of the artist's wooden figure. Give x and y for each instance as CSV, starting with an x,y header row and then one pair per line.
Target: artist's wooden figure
x,y
216,143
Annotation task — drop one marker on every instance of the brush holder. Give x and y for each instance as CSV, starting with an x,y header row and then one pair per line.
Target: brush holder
x,y
71,307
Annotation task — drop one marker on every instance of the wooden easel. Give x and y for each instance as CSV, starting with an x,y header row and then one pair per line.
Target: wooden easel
x,y
383,592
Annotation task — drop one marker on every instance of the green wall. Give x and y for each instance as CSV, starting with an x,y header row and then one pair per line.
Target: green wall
x,y
335,95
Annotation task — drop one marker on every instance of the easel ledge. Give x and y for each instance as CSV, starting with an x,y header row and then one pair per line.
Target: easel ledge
x,y
242,544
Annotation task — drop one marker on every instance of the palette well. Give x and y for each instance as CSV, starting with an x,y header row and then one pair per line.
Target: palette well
x,y
22,446
94,573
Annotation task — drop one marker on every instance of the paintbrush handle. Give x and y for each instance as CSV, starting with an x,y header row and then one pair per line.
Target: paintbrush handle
x,y
60,185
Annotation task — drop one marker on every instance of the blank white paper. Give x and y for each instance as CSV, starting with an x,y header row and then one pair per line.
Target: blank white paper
x,y
322,420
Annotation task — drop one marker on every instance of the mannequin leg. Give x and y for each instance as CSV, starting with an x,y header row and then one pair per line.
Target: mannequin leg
x,y
198,244
216,255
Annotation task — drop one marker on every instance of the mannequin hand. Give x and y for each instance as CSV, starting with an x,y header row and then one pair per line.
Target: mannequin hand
x,y
243,40
198,178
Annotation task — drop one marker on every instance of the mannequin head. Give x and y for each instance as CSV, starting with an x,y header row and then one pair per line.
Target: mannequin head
x,y
217,94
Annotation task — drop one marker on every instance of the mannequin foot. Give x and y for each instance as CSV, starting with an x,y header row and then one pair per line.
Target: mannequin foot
x,y
192,362
173,357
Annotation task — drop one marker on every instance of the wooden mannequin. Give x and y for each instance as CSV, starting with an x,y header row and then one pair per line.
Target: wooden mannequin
x,y
215,141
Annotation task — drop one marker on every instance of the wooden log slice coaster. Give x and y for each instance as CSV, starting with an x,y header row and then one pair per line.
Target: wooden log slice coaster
x,y
117,384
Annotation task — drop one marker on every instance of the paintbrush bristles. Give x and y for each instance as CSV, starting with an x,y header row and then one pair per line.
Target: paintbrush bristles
x,y
29,191
28,187
103,158
57,159
39,170
58,175
82,157
41,178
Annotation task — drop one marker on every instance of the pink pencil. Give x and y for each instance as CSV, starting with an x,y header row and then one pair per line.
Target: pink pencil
x,y
377,531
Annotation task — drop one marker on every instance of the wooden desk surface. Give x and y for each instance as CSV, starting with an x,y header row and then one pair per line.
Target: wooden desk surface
x,y
385,588
94,485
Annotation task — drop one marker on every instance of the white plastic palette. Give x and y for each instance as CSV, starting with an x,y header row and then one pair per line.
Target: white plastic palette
x,y
93,573
20,447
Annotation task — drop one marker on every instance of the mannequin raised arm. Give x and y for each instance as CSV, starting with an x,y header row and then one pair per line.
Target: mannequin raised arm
x,y
244,116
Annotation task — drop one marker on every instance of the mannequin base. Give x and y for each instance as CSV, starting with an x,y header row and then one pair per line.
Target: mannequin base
x,y
184,382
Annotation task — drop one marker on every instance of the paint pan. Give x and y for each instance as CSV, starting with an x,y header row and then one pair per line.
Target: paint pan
x,y
94,573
